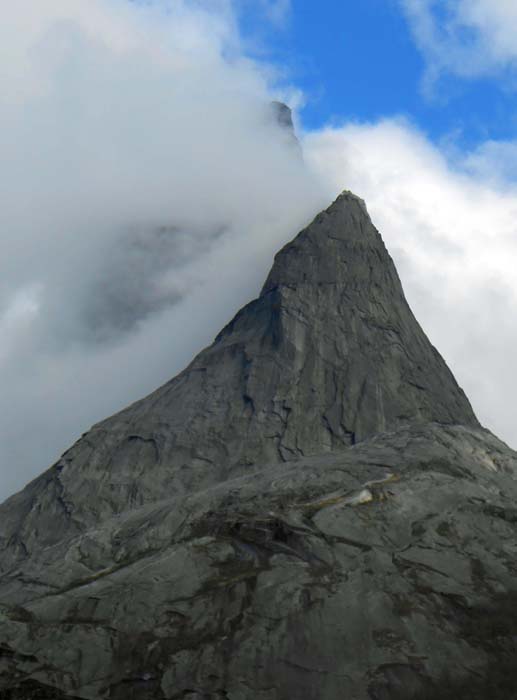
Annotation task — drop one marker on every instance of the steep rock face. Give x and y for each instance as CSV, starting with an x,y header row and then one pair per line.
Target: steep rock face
x,y
284,118
310,510
329,354
382,572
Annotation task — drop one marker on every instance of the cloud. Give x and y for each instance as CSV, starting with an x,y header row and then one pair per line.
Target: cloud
x,y
277,11
468,38
451,226
146,185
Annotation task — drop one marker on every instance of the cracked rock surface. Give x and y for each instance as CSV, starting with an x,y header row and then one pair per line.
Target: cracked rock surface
x,y
310,510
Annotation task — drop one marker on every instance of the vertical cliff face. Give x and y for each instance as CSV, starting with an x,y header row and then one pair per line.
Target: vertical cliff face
x,y
344,312
328,355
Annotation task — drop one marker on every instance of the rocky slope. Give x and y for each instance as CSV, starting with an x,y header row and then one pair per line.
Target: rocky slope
x,y
310,510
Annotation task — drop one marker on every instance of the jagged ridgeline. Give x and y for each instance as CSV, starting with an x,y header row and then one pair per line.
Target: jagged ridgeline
x,y
309,510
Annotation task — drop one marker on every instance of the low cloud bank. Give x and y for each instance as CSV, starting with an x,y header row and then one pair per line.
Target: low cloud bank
x,y
147,184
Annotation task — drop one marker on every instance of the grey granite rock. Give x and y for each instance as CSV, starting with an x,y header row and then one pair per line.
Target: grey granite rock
x,y
329,354
283,116
310,510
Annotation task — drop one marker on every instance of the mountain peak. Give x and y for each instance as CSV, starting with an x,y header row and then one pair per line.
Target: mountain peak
x,y
328,355
322,253
285,518
337,307
283,114
283,117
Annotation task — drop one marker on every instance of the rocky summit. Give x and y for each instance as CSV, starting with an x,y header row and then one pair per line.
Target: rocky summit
x,y
309,511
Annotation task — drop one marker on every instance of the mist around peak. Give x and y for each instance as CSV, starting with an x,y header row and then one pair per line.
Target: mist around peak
x,y
147,184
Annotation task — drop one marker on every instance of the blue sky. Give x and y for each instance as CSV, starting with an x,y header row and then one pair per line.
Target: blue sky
x,y
360,61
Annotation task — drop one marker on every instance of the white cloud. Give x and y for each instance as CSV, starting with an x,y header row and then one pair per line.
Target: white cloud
x,y
146,186
452,230
468,38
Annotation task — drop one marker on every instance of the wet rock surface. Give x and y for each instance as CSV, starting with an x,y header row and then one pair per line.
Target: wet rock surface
x,y
310,510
